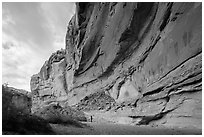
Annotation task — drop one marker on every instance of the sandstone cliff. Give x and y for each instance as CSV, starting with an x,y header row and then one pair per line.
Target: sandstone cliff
x,y
146,58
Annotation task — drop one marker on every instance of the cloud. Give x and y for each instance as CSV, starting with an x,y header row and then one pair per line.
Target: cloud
x,y
30,33
19,63
57,19
7,45
29,23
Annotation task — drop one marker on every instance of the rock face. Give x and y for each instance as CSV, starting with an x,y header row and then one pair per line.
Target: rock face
x,y
49,92
96,101
49,85
147,57
54,113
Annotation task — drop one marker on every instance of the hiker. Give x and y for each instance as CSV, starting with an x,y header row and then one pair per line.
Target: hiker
x,y
91,118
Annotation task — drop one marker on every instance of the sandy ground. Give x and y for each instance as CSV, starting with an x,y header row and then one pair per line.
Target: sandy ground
x,y
103,125
120,129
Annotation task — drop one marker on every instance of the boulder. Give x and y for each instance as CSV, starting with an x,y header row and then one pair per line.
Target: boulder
x,y
54,113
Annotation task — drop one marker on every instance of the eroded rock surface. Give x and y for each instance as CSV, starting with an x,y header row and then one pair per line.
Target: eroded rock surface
x,y
147,57
49,84
54,113
96,101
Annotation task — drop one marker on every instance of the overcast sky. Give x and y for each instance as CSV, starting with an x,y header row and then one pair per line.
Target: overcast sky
x,y
31,32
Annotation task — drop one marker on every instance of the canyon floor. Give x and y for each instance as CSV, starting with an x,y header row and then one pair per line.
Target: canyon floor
x,y
95,128
101,126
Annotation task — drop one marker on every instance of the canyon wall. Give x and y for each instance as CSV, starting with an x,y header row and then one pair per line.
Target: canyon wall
x,y
145,59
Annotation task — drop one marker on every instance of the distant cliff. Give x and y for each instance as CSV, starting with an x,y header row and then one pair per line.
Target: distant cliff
x,y
145,57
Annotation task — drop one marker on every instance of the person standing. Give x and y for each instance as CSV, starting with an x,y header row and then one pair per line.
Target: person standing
x,y
91,118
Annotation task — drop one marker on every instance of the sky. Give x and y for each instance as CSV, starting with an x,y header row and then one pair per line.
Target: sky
x,y
31,32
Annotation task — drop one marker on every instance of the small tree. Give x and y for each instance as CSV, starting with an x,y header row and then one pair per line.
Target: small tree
x,y
6,84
